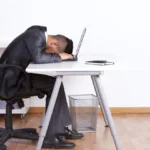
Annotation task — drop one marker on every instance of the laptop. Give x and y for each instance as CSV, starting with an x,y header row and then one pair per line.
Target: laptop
x,y
75,57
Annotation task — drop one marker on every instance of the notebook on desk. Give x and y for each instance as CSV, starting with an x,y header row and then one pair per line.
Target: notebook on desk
x,y
99,62
75,57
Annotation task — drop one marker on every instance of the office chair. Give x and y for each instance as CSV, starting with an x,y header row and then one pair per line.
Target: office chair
x,y
8,132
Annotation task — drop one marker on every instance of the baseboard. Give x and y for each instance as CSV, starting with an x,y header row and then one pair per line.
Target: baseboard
x,y
114,110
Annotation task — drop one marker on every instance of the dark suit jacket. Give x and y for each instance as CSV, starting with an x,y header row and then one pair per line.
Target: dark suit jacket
x,y
27,47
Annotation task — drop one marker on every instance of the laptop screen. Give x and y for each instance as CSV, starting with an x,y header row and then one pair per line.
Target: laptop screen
x,y
80,42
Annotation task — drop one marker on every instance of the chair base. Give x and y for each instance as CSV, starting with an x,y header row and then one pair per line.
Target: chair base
x,y
27,133
27,130
8,132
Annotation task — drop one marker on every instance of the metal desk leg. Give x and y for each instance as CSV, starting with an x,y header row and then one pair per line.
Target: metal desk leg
x,y
100,101
42,120
49,112
107,112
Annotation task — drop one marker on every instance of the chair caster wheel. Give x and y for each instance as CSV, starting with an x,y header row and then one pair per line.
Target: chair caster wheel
x,y
36,133
22,116
3,147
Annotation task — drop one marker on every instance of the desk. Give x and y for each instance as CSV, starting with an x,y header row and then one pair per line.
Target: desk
x,y
72,69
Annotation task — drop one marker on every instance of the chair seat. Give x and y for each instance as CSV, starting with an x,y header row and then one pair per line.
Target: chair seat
x,y
25,94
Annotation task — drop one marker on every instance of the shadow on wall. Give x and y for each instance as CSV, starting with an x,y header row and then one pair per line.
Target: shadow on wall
x,y
1,50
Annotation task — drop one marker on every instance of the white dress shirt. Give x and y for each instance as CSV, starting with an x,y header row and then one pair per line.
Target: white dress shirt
x,y
46,35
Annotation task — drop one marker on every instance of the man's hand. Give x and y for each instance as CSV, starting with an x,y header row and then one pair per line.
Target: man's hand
x,y
65,56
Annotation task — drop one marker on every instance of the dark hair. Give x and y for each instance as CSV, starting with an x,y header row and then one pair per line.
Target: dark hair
x,y
69,47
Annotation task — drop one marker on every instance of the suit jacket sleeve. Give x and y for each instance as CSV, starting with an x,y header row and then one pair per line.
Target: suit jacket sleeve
x,y
36,45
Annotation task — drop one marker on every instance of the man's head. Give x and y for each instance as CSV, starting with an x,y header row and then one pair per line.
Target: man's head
x,y
59,44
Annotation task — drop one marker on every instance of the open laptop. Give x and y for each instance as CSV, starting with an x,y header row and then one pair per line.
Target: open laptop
x,y
75,57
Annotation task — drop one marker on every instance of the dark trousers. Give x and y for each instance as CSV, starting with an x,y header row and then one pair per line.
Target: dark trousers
x,y
60,116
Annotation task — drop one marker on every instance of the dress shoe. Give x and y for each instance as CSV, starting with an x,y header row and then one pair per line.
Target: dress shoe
x,y
57,143
71,134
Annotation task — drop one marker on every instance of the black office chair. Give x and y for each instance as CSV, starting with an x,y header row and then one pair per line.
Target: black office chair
x,y
8,132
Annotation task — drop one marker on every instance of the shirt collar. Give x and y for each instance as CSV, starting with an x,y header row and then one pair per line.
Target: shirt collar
x,y
46,35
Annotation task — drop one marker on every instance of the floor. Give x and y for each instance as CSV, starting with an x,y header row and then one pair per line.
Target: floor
x,y
133,131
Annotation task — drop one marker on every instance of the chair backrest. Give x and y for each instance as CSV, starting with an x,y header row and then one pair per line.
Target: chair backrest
x,y
11,79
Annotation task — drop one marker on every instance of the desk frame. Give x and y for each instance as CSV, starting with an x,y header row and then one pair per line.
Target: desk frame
x,y
95,76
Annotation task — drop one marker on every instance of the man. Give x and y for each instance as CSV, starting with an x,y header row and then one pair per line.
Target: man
x,y
34,45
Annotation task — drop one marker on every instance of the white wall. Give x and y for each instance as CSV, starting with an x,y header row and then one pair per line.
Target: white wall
x,y
117,28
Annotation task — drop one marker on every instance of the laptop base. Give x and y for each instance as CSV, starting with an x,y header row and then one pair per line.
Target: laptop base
x,y
73,59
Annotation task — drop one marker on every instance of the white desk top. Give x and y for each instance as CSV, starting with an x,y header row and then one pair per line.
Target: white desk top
x,y
69,66
80,65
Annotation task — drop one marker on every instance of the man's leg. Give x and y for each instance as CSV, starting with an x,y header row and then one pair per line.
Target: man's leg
x,y
60,116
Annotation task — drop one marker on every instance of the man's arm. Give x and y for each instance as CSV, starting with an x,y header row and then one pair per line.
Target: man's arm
x,y
36,46
63,56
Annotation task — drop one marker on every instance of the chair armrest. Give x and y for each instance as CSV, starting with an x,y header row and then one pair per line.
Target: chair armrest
x,y
21,70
